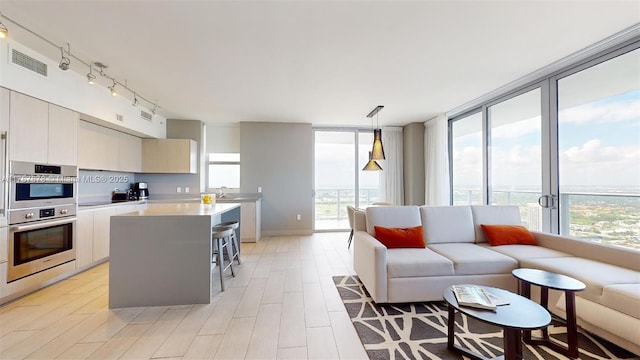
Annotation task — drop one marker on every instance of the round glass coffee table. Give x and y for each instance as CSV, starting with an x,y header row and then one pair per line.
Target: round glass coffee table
x,y
519,314
548,280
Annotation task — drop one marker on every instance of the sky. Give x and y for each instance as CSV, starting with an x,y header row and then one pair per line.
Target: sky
x,y
599,146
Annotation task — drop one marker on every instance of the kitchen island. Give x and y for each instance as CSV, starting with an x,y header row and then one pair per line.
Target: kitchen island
x,y
162,255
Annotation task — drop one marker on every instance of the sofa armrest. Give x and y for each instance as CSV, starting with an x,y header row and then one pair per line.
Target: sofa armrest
x,y
370,263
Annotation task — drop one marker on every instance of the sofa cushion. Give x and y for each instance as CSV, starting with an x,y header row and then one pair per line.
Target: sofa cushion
x,y
493,215
392,216
520,252
417,262
507,235
472,259
623,297
399,237
596,275
447,224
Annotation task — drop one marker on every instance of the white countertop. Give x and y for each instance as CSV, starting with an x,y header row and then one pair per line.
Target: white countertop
x,y
183,209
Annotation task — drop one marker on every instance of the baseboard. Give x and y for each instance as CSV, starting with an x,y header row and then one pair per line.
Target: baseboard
x,y
286,233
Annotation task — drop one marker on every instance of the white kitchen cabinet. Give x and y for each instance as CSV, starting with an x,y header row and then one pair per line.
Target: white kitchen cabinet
x,y
4,233
169,156
93,230
101,224
250,221
88,145
102,148
107,148
28,128
63,132
42,132
84,238
129,153
5,99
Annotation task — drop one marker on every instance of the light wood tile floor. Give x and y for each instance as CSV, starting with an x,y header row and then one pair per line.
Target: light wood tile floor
x,y
282,304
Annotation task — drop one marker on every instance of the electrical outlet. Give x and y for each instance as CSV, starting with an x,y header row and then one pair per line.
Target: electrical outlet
x,y
179,189
298,217
259,189
186,189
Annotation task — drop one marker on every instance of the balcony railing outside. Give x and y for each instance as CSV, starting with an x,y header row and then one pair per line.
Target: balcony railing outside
x,y
608,218
331,206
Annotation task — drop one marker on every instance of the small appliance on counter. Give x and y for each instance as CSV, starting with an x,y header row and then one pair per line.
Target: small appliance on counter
x,y
122,195
141,190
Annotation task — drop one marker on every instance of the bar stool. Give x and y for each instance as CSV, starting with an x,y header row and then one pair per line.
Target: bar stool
x,y
221,240
236,247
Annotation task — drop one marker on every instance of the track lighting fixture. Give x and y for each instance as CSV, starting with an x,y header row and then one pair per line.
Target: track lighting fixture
x,y
65,62
90,76
112,88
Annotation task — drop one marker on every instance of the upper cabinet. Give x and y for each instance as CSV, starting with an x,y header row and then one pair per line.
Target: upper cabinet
x,y
63,132
129,153
28,128
170,156
107,149
41,132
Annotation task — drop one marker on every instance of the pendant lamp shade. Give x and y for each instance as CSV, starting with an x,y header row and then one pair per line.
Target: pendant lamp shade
x,y
372,165
377,153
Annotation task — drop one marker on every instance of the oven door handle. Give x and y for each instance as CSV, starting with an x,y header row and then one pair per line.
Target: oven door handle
x,y
41,224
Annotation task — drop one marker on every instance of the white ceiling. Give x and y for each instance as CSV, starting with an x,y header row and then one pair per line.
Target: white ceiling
x,y
319,62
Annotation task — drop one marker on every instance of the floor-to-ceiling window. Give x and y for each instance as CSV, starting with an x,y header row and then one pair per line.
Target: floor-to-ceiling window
x,y
599,151
515,163
338,176
466,160
565,149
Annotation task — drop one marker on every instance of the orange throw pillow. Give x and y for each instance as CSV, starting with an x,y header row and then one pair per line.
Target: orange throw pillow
x,y
508,235
394,238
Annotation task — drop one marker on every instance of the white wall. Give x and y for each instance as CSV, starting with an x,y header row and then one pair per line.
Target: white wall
x,y
71,90
222,138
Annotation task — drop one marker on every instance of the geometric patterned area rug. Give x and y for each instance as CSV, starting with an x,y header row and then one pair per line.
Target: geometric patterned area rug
x,y
419,331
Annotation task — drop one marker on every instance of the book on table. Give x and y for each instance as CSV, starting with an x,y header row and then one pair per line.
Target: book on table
x,y
475,296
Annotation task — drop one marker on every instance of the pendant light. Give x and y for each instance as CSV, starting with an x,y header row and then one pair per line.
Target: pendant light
x,y
372,165
377,151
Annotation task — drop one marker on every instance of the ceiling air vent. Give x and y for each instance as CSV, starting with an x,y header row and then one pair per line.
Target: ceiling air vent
x,y
145,115
28,62
119,117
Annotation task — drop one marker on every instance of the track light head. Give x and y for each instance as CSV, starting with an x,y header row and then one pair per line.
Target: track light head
x,y
155,108
112,88
3,31
135,100
65,62
90,76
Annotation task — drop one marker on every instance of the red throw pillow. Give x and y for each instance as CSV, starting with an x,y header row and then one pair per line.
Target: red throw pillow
x,y
508,235
394,238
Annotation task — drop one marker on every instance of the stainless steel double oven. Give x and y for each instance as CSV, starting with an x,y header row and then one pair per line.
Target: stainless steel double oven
x,y
41,217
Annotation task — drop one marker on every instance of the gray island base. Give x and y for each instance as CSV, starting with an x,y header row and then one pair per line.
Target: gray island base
x,y
162,255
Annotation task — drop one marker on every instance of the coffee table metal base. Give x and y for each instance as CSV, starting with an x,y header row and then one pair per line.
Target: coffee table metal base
x,y
512,341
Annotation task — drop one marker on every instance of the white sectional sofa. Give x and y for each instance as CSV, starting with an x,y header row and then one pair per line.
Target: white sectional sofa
x,y
457,252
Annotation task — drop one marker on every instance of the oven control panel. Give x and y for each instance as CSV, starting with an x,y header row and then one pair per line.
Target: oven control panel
x,y
36,214
45,213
